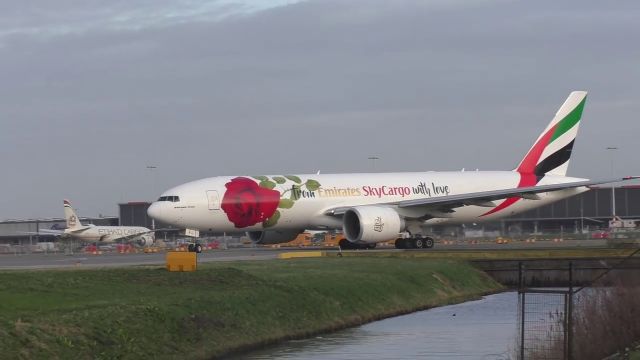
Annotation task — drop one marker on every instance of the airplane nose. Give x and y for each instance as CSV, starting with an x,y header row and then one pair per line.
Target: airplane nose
x,y
155,211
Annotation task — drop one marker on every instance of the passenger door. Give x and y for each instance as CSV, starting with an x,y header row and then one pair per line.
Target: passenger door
x,y
213,199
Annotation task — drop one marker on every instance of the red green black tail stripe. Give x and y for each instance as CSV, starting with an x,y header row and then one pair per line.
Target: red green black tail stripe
x,y
533,167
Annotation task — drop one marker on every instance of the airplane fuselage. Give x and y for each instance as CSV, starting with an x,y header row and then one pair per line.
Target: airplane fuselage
x,y
233,204
107,234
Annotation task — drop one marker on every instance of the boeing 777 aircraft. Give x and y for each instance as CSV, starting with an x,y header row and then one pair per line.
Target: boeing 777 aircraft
x,y
371,208
138,235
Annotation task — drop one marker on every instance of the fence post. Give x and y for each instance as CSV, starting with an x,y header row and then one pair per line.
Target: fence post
x,y
565,345
520,278
570,315
521,293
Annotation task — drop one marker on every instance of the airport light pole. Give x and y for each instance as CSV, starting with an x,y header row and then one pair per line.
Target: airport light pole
x,y
373,160
153,168
613,186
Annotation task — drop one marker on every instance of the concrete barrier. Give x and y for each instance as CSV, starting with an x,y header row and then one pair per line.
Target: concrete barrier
x,y
181,261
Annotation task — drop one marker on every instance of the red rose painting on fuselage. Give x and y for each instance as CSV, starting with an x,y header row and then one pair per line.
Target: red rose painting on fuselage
x,y
246,203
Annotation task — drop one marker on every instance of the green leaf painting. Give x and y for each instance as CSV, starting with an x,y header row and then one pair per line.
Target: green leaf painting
x,y
279,179
294,178
260,177
267,184
272,221
312,185
286,204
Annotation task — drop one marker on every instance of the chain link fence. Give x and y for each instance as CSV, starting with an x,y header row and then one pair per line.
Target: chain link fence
x,y
543,321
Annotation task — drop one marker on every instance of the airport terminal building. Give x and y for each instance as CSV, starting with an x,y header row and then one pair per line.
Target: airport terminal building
x,y
584,213
591,210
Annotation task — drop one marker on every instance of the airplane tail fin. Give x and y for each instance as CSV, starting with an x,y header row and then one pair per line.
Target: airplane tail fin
x,y
551,152
70,215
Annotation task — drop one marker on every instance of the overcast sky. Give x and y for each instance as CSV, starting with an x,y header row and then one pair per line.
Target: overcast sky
x,y
93,92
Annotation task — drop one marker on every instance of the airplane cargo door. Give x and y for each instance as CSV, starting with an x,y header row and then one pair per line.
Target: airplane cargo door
x,y
214,200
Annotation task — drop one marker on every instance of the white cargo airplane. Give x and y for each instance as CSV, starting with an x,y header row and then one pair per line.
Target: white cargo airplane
x,y
138,235
371,208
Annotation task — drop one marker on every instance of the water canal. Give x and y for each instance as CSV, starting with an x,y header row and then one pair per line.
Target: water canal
x,y
482,329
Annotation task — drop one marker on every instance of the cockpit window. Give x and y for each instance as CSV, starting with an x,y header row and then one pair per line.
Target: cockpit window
x,y
169,198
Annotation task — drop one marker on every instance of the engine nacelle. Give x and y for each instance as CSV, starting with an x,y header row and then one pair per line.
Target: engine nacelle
x,y
371,224
145,240
273,236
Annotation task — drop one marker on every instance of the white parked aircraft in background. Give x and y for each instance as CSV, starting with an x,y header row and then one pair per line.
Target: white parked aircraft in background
x,y
371,208
138,235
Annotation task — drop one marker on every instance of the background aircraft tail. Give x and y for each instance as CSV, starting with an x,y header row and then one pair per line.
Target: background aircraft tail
x,y
70,215
551,152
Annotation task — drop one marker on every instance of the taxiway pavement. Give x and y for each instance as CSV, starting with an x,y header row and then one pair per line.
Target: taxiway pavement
x,y
84,260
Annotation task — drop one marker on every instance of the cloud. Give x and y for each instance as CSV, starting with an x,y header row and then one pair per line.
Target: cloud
x,y
60,18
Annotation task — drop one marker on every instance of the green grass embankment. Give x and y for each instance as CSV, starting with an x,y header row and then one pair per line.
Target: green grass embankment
x,y
151,313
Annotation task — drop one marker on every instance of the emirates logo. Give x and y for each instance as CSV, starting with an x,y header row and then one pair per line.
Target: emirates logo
x,y
378,225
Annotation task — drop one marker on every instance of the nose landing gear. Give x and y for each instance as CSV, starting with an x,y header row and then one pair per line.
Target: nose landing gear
x,y
195,247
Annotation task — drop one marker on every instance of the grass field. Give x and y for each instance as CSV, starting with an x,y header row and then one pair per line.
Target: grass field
x,y
136,313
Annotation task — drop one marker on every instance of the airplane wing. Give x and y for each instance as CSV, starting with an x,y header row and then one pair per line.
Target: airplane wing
x,y
51,231
59,234
445,204
133,236
129,237
44,232
79,230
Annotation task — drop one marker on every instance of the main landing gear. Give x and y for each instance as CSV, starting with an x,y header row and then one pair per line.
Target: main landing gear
x,y
348,245
416,242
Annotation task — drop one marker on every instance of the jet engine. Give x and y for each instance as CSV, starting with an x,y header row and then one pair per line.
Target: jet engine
x,y
371,224
145,240
273,236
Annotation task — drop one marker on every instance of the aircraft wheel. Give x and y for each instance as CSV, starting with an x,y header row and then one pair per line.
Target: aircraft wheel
x,y
345,244
428,242
408,243
191,248
371,246
197,248
399,243
418,242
